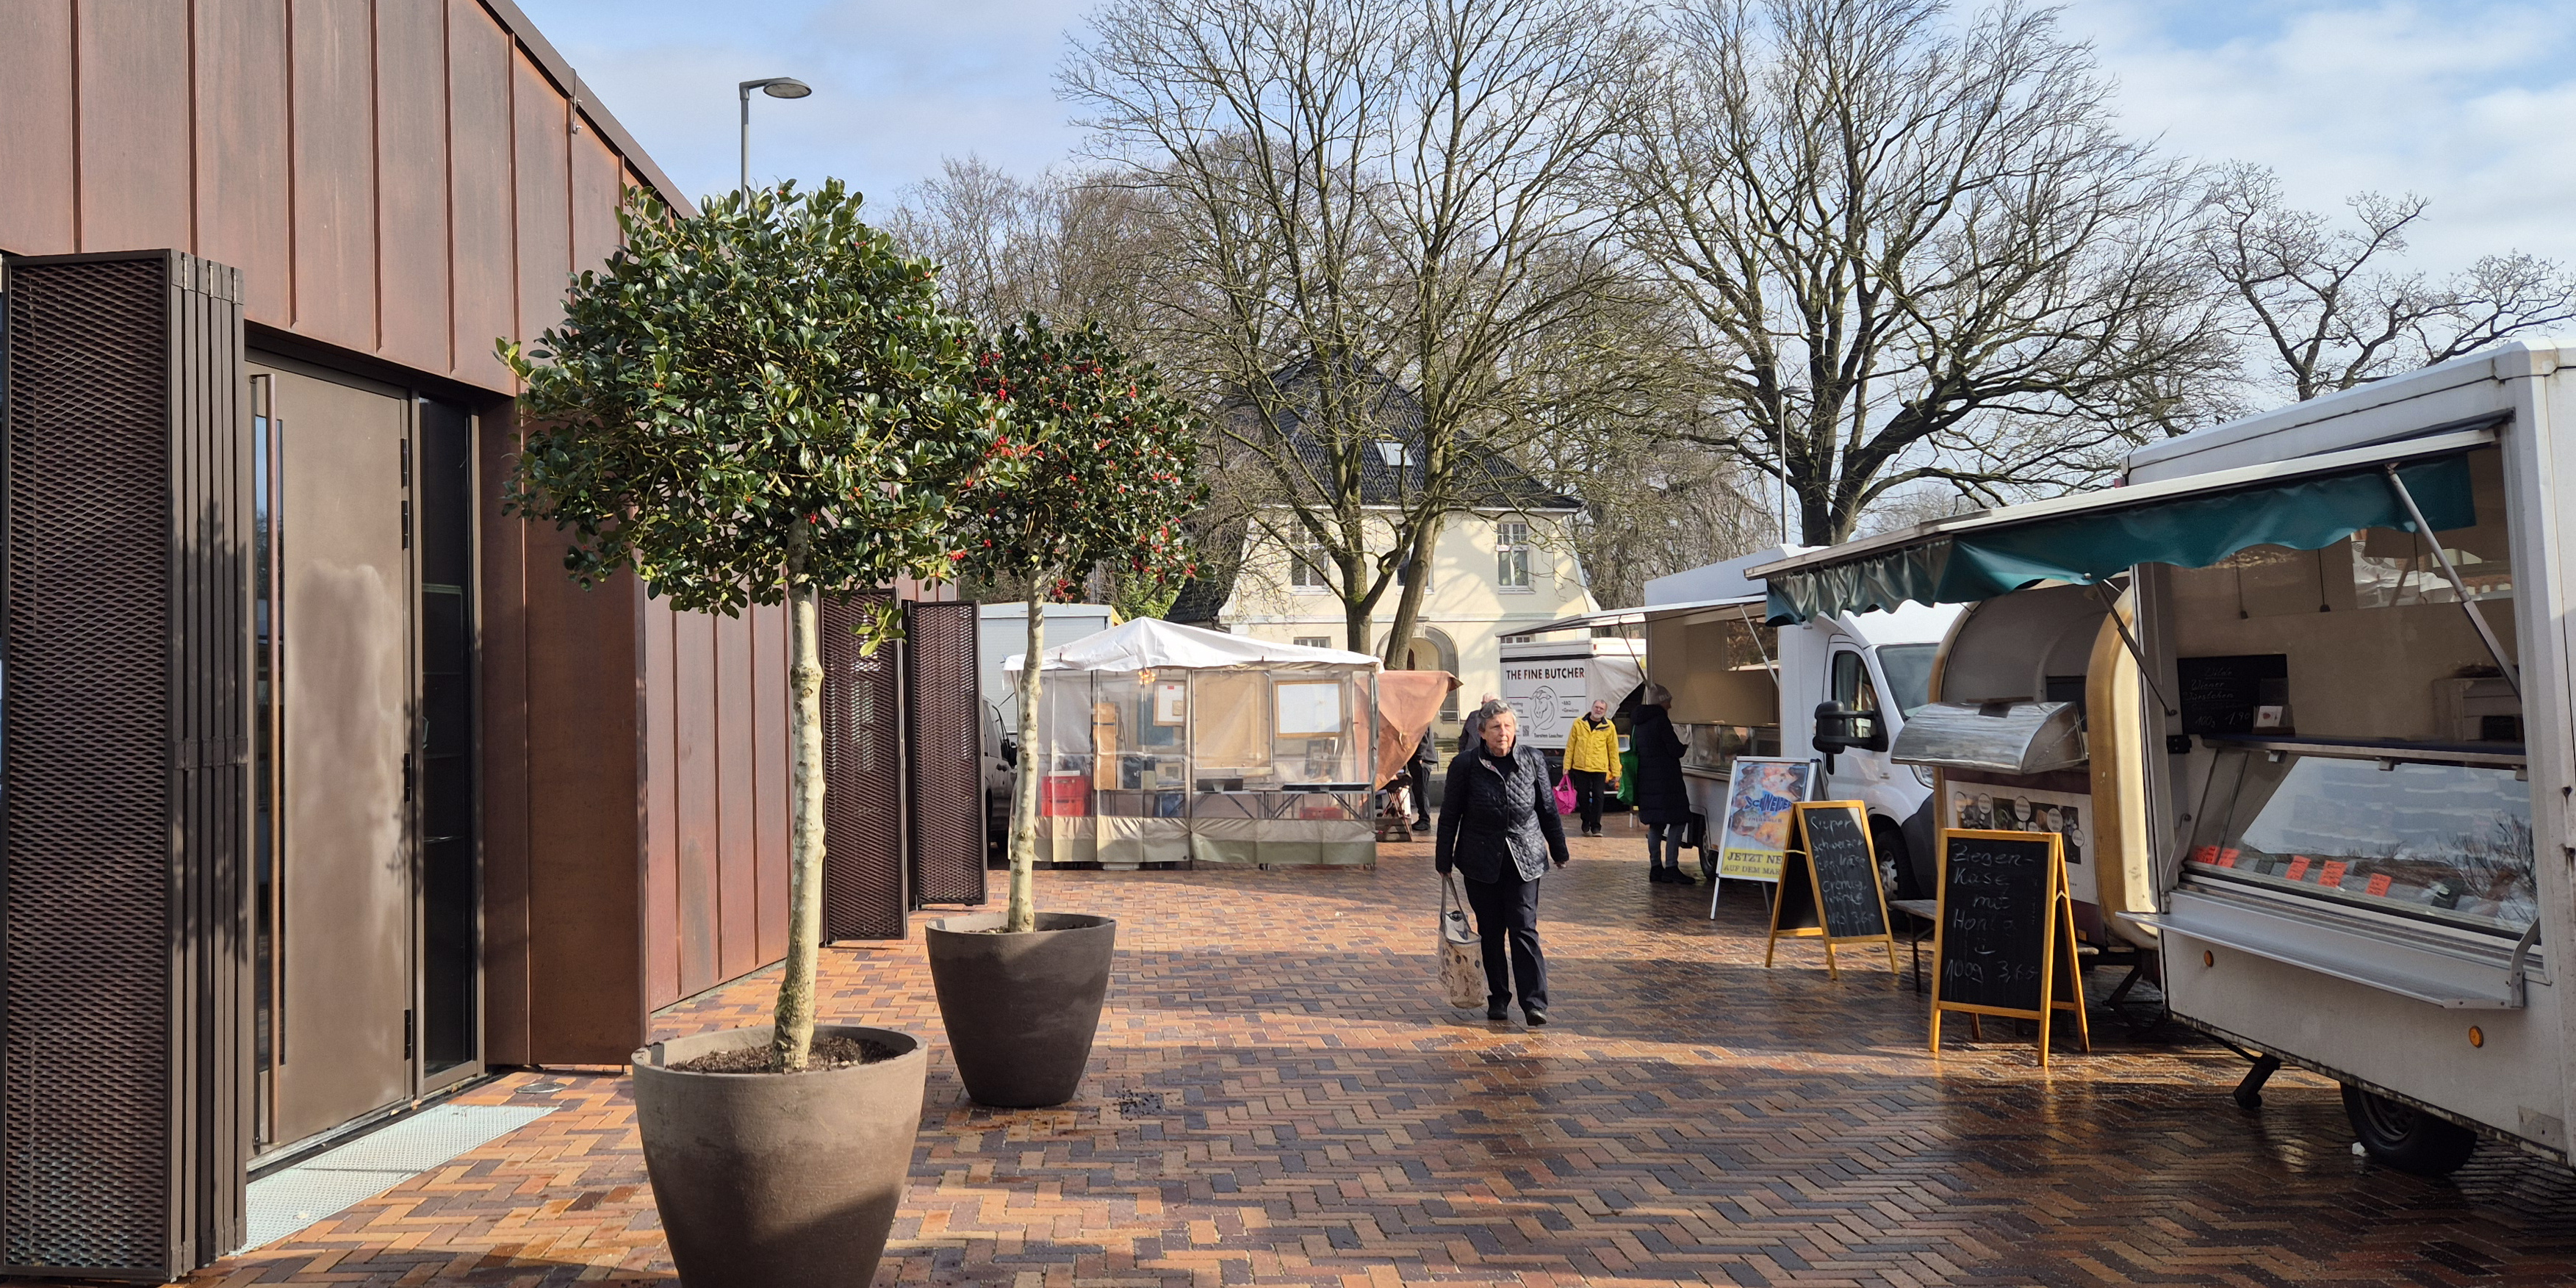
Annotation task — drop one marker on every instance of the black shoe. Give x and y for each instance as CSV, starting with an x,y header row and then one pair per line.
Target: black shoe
x,y
1498,1011
1679,877
1422,826
1657,876
1536,1017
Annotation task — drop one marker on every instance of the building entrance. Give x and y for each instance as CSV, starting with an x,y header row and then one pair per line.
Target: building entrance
x,y
363,847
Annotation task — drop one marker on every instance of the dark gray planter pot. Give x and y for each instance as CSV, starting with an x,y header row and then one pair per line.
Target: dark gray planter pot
x,y
1021,1009
771,1180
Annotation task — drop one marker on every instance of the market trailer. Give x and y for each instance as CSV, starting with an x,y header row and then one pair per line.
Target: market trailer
x,y
2354,771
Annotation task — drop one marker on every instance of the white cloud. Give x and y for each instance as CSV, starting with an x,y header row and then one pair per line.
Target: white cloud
x,y
2463,103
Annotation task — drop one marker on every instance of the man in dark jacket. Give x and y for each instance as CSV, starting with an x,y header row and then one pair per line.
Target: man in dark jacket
x,y
1425,770
1663,798
1499,829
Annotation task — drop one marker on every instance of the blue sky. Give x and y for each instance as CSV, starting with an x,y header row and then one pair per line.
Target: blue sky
x,y
2469,103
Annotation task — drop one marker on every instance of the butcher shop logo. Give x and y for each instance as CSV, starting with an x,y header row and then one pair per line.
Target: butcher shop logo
x,y
1544,673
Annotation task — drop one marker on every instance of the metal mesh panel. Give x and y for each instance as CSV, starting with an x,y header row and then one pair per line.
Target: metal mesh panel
x,y
121,1103
87,729
863,896
943,710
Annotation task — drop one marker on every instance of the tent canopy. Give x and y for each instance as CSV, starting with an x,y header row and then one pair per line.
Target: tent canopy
x,y
1151,644
2188,523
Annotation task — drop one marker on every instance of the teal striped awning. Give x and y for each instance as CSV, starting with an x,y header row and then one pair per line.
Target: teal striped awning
x,y
1996,555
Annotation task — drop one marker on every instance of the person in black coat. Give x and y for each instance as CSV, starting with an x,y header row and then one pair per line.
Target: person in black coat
x,y
1499,829
1663,799
1425,769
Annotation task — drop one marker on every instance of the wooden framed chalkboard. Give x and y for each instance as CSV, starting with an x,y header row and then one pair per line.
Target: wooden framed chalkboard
x,y
1829,886
2004,934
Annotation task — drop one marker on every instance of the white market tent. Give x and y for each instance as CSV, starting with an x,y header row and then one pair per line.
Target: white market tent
x,y
1169,744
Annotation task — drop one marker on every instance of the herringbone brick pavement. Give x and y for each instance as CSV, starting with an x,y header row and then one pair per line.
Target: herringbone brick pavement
x,y
1277,1097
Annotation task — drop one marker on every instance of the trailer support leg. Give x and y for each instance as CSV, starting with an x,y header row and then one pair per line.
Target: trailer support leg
x,y
2249,1093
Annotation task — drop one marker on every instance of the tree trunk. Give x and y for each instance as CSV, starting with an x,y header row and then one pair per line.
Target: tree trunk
x,y
1025,781
1417,583
793,1040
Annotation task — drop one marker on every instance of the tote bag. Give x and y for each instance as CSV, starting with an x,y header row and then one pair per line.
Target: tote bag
x,y
1565,793
1462,954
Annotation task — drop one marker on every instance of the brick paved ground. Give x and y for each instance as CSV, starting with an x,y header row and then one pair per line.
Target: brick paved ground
x,y
1276,1098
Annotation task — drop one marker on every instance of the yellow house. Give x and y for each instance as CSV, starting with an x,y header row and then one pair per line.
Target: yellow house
x,y
1505,563
1492,569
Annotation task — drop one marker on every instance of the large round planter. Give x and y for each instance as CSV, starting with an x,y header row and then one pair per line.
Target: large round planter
x,y
768,1180
1021,1009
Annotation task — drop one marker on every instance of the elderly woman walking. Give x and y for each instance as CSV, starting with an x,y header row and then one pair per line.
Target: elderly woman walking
x,y
1499,828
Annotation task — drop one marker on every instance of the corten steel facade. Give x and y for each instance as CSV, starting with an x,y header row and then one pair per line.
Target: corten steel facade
x,y
511,816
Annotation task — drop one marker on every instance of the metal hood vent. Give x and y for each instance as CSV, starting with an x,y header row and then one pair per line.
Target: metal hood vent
x,y
2009,737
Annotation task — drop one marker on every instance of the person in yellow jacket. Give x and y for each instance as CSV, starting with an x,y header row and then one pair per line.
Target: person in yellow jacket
x,y
1592,761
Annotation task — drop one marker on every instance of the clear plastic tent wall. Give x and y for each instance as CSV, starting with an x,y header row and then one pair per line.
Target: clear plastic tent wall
x,y
1264,761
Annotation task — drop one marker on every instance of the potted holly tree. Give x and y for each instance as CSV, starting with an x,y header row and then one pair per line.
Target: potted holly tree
x,y
1106,469
755,405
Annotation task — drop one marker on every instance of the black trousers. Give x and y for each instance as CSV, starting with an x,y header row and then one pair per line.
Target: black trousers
x,y
1423,780
1587,795
1507,920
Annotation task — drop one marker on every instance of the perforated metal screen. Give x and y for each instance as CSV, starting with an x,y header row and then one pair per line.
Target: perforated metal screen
x,y
121,1106
943,709
863,850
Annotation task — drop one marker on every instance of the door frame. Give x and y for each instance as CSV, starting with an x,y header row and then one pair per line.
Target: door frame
x,y
421,1082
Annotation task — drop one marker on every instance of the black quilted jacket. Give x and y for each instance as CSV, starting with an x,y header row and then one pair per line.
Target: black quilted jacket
x,y
1499,811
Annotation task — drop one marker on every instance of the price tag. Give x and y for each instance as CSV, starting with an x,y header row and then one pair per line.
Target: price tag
x,y
2379,884
2205,854
2227,858
2298,867
2333,875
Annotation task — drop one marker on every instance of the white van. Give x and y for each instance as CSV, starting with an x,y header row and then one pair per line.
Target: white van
x,y
1743,689
2325,719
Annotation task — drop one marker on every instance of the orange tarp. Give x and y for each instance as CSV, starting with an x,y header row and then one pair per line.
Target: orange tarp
x,y
1406,702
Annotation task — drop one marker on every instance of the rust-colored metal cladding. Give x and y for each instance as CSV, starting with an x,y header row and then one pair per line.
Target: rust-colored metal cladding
x,y
124,1118
863,860
942,708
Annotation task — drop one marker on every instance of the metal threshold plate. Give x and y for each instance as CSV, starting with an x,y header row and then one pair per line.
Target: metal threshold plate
x,y
327,1184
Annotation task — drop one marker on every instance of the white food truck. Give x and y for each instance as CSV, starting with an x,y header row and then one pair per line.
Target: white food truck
x,y
2305,679
1741,688
1549,684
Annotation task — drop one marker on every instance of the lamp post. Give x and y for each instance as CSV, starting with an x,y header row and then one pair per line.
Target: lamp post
x,y
775,87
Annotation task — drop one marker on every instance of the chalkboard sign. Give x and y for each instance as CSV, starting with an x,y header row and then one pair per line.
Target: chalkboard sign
x,y
2004,943
2219,694
1829,886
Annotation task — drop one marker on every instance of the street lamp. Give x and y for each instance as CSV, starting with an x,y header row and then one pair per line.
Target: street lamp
x,y
775,87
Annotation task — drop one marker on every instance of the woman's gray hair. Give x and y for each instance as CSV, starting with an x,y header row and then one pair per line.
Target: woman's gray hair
x,y
1658,696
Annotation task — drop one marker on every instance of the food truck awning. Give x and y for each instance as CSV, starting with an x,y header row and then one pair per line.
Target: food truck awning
x,y
2194,522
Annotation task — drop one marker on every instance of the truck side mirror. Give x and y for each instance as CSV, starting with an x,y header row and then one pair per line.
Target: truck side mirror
x,y
1841,728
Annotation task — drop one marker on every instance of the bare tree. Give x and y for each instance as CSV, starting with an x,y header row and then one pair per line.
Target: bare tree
x,y
1066,245
1918,250
2328,310
1358,196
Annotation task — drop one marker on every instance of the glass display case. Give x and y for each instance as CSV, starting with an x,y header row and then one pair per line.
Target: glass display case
x,y
2427,831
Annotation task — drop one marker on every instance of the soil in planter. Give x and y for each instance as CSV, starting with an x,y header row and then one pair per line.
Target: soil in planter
x,y
829,1053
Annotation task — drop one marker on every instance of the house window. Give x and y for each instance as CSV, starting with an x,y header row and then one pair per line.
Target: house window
x,y
1306,565
1313,641
1512,555
1395,454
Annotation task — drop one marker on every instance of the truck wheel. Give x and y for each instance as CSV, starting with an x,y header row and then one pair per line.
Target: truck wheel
x,y
2405,1137
1889,840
